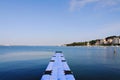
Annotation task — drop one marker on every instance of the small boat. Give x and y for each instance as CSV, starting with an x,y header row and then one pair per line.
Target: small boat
x,y
58,68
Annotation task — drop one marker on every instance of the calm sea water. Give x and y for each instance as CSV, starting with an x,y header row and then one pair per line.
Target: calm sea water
x,y
87,63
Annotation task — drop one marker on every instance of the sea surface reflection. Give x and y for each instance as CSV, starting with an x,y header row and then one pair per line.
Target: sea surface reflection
x,y
87,63
21,56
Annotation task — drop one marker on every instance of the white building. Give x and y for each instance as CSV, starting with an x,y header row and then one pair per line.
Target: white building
x,y
109,40
97,42
103,41
116,41
88,44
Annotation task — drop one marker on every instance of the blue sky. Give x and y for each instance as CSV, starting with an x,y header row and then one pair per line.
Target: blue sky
x,y
56,22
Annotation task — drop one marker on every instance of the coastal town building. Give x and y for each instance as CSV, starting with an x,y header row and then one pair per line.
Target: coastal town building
x,y
103,41
116,40
108,41
97,42
88,44
112,40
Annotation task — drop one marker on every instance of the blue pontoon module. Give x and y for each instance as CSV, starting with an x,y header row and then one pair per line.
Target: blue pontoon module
x,y
58,69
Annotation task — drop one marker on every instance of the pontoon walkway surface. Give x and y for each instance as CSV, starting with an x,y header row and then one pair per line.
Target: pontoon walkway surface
x,y
58,69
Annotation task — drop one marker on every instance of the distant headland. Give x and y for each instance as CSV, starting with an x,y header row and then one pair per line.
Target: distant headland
x,y
108,41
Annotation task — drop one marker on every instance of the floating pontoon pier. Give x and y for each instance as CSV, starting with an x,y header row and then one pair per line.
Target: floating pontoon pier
x,y
58,69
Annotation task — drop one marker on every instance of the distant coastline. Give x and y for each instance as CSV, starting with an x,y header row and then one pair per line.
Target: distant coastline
x,y
108,41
